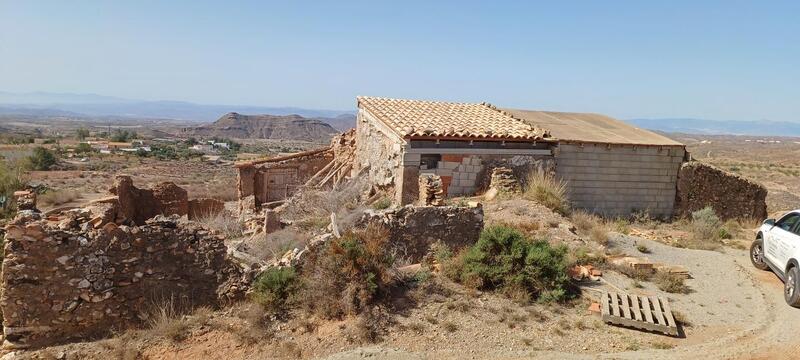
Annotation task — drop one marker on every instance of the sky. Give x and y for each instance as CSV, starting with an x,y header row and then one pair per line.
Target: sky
x,y
724,60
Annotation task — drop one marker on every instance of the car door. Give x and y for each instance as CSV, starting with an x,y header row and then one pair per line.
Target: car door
x,y
781,239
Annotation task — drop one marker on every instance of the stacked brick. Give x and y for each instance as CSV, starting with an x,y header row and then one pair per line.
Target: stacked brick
x,y
431,191
504,181
459,174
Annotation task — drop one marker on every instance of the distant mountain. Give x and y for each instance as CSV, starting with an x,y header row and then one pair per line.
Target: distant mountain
x,y
99,105
288,127
718,127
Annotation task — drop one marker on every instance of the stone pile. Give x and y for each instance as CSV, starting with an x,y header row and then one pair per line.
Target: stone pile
x,y
26,200
503,180
431,191
730,195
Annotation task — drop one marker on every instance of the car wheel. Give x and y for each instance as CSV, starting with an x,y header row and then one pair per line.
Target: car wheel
x,y
757,255
791,288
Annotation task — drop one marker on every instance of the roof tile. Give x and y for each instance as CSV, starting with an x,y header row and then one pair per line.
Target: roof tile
x,y
420,118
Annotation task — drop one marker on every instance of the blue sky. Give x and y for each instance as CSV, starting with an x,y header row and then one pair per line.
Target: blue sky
x,y
732,60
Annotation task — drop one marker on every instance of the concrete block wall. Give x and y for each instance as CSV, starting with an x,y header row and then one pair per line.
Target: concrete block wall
x,y
619,180
459,173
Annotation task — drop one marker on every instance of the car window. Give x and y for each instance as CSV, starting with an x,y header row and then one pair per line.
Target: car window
x,y
788,222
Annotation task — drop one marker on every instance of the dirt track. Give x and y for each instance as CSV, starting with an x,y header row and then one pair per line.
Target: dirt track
x,y
737,312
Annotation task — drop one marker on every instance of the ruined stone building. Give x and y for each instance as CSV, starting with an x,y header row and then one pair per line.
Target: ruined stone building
x,y
610,167
274,179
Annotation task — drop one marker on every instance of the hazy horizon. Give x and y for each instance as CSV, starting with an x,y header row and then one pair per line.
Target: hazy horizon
x,y
714,60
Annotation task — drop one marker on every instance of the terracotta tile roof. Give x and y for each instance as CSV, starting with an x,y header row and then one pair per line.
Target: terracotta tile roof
x,y
420,118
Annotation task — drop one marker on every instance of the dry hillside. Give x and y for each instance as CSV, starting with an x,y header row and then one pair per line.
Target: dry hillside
x,y
289,127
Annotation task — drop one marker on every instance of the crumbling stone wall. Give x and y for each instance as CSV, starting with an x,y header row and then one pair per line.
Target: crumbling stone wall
x,y
65,280
413,229
378,152
137,205
730,195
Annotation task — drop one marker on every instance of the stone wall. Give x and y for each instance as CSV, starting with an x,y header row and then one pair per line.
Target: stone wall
x,y
65,280
412,229
378,154
730,195
137,205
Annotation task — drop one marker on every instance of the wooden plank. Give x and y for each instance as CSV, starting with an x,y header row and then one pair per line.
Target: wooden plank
x,y
637,310
604,304
614,304
657,310
648,315
626,308
668,314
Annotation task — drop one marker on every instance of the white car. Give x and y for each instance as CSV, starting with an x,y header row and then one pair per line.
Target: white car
x,y
776,247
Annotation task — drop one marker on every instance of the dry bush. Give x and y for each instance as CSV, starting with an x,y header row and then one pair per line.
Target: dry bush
x,y
224,222
599,234
546,190
671,283
58,197
349,274
255,327
274,245
584,221
631,272
166,322
591,225
122,347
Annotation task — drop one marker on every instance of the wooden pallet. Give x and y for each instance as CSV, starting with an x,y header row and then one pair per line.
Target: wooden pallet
x,y
642,312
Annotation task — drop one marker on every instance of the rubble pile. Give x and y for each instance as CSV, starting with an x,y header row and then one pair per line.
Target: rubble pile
x,y
431,191
730,195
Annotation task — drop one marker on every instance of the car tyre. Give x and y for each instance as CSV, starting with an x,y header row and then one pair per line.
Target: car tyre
x,y
757,255
791,288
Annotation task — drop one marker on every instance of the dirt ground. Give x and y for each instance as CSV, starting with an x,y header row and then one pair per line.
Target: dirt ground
x,y
91,180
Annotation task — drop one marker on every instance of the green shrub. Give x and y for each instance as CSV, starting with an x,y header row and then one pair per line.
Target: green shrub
x,y
382,203
705,224
42,159
503,257
274,286
546,190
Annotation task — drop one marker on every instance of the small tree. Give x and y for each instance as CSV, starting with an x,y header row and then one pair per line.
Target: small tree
x,y
82,133
83,148
42,159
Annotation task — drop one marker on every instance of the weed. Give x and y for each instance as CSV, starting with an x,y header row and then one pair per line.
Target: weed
x,y
165,322
671,283
382,203
431,319
662,345
546,190
224,222
643,249
416,327
450,326
60,197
